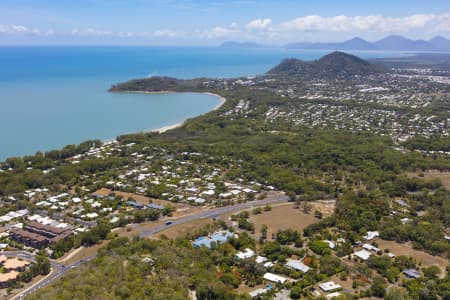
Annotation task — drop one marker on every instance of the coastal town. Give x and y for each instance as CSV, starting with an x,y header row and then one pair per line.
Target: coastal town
x,y
275,199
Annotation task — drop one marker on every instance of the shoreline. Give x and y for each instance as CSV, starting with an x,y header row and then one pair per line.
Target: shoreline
x,y
155,130
179,124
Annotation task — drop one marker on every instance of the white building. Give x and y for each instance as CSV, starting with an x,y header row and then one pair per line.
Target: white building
x,y
261,259
333,295
371,235
257,292
371,248
329,286
297,265
331,244
274,278
363,254
245,254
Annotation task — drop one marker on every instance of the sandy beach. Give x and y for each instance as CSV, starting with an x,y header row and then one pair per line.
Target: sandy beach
x,y
176,125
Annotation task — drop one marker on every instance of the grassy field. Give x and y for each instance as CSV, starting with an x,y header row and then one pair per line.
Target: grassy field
x,y
407,250
282,217
183,229
433,174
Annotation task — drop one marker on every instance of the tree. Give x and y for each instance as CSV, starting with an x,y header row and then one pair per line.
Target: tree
x,y
257,210
42,266
330,265
296,293
320,247
212,290
397,293
264,232
392,274
291,195
378,287
379,263
267,207
431,272
306,207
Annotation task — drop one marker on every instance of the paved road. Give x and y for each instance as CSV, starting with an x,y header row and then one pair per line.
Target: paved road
x,y
59,269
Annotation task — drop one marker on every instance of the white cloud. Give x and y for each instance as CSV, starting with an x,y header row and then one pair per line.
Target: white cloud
x,y
14,29
165,33
259,24
91,32
221,32
376,23
234,25
443,23
309,27
316,28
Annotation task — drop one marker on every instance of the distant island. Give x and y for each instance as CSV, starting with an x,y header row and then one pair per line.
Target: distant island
x,y
391,43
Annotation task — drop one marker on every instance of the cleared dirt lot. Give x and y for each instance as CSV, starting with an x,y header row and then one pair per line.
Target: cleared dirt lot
x,y
433,174
407,250
282,217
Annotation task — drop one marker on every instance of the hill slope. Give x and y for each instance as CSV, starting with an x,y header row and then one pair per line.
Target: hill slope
x,y
397,42
333,64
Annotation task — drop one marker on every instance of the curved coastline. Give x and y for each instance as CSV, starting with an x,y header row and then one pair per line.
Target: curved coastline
x,y
179,124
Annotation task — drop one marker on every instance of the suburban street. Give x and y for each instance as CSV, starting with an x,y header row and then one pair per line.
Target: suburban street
x,y
59,269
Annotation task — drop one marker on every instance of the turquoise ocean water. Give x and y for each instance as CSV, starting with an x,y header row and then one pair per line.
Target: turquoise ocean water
x,y
54,96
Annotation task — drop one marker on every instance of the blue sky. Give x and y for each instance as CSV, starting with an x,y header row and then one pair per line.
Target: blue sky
x,y
202,22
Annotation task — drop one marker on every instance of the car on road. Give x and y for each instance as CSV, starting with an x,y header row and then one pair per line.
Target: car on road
x,y
169,223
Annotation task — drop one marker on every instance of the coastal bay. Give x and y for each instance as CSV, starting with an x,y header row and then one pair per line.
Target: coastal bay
x,y
55,96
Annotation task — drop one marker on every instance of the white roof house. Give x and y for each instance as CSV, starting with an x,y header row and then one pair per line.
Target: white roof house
x,y
91,215
363,254
370,235
245,254
208,193
114,220
199,200
371,248
261,259
76,200
331,244
297,265
257,292
329,286
274,278
333,295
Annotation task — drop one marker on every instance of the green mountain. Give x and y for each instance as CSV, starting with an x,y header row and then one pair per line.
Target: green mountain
x,y
331,65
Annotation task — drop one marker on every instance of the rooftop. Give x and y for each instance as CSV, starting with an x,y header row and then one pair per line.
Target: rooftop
x,y
8,276
297,265
15,263
217,237
329,286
